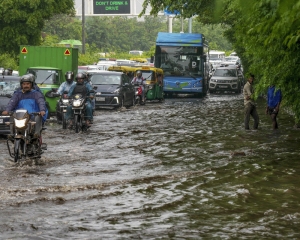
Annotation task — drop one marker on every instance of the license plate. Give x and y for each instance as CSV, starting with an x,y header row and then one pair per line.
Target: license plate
x,y
101,99
222,86
1,120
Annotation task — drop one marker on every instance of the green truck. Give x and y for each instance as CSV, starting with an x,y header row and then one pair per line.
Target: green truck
x,y
49,65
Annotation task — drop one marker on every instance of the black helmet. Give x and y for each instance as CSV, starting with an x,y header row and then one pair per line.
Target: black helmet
x,y
81,76
26,78
69,76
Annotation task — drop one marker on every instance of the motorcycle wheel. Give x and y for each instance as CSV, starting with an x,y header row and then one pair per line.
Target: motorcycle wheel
x,y
77,123
17,147
137,100
64,121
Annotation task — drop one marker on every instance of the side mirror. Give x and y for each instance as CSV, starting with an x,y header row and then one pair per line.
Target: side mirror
x,y
95,87
8,95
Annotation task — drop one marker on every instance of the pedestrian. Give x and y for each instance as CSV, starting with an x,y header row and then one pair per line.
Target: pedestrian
x,y
249,104
274,97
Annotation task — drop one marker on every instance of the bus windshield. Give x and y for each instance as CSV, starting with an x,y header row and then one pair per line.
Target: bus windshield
x,y
180,60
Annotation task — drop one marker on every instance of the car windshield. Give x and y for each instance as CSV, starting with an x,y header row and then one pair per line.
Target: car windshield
x,y
105,79
44,76
225,72
8,87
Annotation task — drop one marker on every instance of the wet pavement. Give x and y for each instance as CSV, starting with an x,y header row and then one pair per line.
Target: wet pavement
x,y
182,169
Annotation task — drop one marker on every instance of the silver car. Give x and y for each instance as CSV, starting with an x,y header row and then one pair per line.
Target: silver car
x,y
227,78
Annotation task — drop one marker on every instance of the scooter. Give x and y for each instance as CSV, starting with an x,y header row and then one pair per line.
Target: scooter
x,y
138,95
25,144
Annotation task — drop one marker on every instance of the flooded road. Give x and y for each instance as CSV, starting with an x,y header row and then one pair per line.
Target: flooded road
x,y
182,169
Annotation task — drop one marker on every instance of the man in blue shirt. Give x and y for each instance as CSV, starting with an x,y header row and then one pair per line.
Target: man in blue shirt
x,y
31,100
274,97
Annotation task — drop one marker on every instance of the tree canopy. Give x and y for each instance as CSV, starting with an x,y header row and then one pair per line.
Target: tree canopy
x,y
265,34
21,22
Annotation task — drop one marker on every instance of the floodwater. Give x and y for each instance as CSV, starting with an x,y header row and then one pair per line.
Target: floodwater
x,y
182,169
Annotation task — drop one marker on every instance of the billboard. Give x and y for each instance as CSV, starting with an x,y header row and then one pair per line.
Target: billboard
x,y
111,7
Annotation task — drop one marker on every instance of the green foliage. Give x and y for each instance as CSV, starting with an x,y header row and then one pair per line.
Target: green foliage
x,y
64,27
50,40
22,21
123,34
265,34
8,61
90,56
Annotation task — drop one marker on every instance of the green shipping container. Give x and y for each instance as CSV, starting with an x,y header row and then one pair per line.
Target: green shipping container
x,y
49,65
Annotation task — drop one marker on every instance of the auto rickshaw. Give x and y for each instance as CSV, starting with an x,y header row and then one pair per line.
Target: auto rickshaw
x,y
125,69
154,82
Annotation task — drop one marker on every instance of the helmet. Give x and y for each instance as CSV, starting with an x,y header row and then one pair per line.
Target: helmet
x,y
26,78
69,76
139,73
80,76
32,76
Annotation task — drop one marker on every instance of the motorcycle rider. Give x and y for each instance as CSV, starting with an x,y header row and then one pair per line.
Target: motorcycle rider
x,y
64,87
140,81
35,86
85,90
30,99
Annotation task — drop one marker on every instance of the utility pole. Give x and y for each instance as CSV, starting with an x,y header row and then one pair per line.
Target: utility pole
x,y
83,26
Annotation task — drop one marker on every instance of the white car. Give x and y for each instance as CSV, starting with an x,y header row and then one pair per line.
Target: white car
x,y
228,78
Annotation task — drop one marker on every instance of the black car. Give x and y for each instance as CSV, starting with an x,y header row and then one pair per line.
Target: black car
x,y
114,89
6,91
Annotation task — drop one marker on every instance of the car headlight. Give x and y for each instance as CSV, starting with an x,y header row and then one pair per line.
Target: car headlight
x,y
76,103
20,123
150,87
213,80
234,80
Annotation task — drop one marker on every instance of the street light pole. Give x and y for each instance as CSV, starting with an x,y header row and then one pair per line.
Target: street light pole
x,y
83,24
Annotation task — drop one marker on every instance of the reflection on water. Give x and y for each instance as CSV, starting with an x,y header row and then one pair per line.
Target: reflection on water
x,y
182,169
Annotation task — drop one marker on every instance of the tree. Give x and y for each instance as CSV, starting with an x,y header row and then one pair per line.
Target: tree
x,y
21,22
64,27
265,34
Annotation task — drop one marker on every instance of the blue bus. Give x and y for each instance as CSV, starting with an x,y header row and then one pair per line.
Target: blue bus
x,y
184,60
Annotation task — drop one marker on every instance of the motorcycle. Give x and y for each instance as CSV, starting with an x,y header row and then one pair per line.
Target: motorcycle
x,y
25,144
138,95
61,109
78,103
